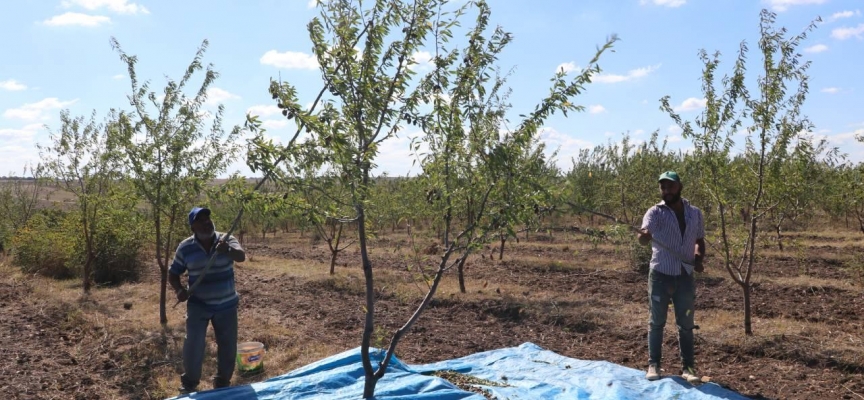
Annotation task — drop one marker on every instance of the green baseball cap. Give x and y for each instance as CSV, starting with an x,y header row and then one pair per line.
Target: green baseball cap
x,y
670,176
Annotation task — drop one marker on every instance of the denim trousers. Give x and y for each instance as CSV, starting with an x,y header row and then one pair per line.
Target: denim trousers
x,y
681,292
225,327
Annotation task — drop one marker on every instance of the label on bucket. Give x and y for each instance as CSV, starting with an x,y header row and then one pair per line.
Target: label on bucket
x,y
250,357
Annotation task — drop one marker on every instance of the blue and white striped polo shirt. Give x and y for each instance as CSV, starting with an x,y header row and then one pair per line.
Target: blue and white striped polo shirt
x,y
661,222
216,292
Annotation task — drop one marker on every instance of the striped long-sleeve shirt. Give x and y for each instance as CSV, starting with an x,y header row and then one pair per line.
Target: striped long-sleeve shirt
x,y
662,224
216,291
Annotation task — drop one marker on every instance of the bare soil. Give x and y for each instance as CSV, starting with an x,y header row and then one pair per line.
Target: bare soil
x,y
559,292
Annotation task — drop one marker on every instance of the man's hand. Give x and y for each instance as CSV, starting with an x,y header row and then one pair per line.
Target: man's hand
x,y
182,295
700,255
644,237
698,266
222,247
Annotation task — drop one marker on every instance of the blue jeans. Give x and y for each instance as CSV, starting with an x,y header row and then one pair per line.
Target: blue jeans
x,y
681,291
225,328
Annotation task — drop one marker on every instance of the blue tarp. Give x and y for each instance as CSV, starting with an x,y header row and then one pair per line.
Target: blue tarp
x,y
340,377
533,373
525,372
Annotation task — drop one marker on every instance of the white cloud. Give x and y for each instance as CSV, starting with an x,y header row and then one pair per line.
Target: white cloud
x,y
831,90
312,4
846,137
216,96
632,74
17,148
596,109
816,48
848,32
118,6
77,19
118,77
783,5
608,133
289,60
568,67
12,85
38,110
638,132
664,3
567,145
263,110
395,156
13,158
271,124
25,134
844,14
674,139
674,129
423,60
691,104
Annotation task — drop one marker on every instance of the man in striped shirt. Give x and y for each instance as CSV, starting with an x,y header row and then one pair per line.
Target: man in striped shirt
x,y
214,299
677,230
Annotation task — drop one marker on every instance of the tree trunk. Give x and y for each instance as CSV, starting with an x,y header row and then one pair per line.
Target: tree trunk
x,y
461,273
860,221
369,321
334,249
501,250
87,266
779,237
369,386
748,327
163,271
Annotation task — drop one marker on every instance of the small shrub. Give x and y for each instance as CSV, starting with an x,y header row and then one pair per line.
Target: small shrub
x,y
120,234
53,245
640,257
44,245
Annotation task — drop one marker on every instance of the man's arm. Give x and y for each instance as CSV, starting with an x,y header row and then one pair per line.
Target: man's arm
x,y
232,248
174,281
700,254
644,234
178,267
700,244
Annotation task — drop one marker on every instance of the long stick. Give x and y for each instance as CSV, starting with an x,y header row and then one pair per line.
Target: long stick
x,y
266,176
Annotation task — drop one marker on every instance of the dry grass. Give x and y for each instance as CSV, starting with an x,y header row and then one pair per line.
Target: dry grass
x,y
135,333
807,281
139,342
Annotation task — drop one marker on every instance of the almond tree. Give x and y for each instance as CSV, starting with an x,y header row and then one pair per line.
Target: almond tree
x,y
83,159
169,154
365,50
775,119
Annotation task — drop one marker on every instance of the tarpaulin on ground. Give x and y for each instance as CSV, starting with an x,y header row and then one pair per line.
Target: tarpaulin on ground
x,y
529,372
523,372
340,377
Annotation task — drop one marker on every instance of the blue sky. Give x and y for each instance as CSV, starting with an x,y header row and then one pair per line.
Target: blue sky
x,y
56,55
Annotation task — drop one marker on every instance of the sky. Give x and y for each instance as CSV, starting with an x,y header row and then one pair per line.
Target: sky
x,y
56,55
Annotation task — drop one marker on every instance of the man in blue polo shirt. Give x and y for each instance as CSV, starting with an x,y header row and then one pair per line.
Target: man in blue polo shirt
x,y
679,228
214,299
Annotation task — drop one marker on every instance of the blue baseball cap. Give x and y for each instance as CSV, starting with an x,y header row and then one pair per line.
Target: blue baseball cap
x,y
193,215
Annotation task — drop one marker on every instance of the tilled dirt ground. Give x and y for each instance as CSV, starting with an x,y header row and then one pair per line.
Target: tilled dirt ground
x,y
566,297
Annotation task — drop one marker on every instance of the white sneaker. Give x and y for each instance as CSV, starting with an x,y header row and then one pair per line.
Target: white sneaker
x,y
653,373
690,376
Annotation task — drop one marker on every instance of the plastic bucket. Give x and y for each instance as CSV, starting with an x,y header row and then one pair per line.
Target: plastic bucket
x,y
250,358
